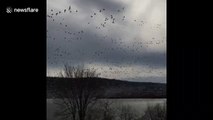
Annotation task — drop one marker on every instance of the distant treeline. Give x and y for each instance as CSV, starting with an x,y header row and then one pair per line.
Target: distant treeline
x,y
113,88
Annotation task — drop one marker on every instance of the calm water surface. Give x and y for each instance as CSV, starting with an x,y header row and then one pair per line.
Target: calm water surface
x,y
138,104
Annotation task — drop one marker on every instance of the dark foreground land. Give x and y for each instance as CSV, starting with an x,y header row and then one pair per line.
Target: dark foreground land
x,y
114,88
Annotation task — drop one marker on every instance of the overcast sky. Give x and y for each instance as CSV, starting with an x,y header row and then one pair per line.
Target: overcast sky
x,y
122,39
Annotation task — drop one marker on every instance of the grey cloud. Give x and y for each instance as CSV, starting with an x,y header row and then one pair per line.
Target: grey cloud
x,y
92,46
106,52
85,49
100,4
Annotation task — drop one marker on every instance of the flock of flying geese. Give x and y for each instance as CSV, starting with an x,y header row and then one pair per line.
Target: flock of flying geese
x,y
117,43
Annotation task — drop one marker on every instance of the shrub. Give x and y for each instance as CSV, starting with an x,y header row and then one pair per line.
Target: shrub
x,y
156,112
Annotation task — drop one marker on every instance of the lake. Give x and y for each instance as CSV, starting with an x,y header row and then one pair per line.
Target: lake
x,y
139,105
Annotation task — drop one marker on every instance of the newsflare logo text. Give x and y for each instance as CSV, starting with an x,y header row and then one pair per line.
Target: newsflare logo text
x,y
19,10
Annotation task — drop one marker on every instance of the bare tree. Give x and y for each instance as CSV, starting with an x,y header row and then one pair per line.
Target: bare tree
x,y
126,112
108,112
77,93
77,72
156,112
